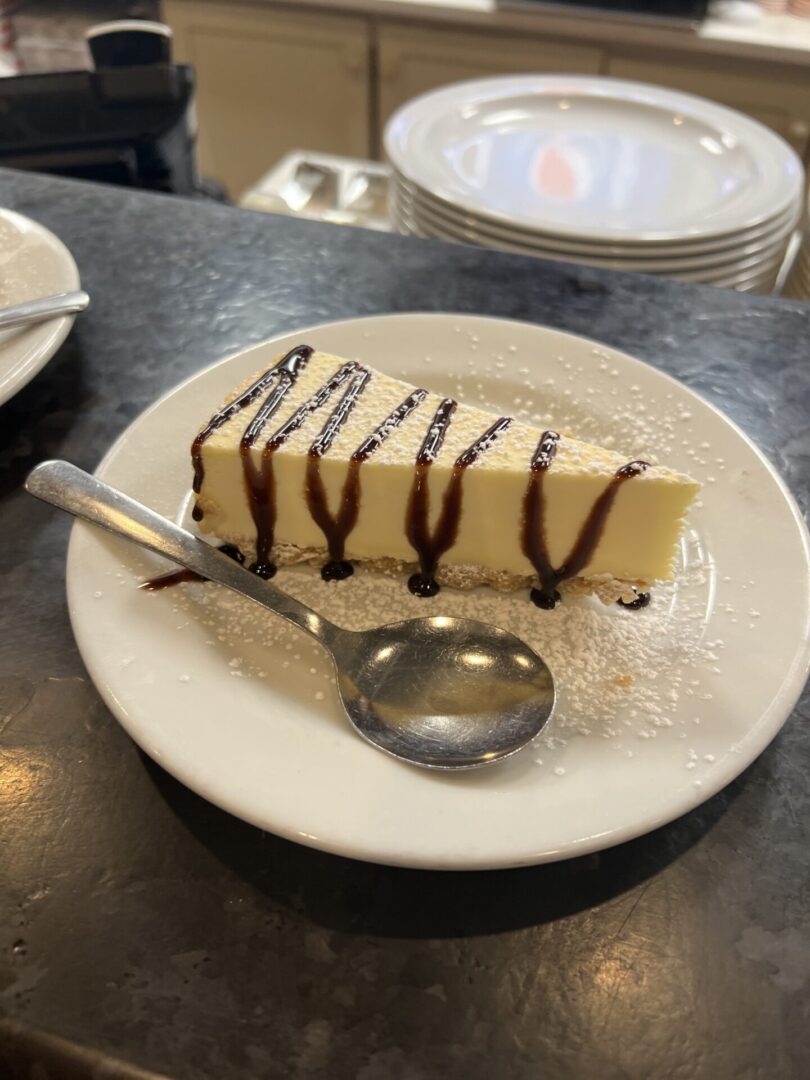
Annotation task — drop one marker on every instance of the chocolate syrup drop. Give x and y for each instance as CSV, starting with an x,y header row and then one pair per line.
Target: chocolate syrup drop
x,y
544,600
423,586
641,601
337,571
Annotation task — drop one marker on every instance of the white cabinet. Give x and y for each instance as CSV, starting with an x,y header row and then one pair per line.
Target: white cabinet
x,y
275,77
413,59
270,81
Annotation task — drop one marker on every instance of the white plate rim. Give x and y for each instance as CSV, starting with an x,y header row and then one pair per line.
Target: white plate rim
x,y
723,276
701,269
600,86
47,336
756,738
766,239
774,223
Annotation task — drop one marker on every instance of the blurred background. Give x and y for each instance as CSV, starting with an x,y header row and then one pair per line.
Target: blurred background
x,y
284,106
50,33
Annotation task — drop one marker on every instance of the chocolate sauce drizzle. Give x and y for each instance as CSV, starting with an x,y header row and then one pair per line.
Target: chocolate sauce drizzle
x,y
340,414
336,528
374,441
431,545
164,581
260,480
291,365
533,537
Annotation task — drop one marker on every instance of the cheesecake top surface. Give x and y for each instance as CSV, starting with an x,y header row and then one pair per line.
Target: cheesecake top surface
x,y
324,380
321,410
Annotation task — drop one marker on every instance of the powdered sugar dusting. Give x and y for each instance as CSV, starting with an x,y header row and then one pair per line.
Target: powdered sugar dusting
x,y
625,677
620,675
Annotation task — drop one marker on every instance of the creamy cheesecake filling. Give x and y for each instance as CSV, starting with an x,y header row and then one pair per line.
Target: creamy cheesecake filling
x,y
397,473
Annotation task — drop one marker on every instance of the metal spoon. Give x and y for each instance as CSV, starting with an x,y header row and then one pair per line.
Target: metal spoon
x,y
47,307
440,692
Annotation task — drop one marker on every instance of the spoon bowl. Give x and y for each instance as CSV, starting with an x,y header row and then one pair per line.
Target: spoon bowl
x,y
444,693
437,692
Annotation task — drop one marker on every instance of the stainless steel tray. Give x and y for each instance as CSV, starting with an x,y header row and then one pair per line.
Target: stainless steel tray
x,y
344,191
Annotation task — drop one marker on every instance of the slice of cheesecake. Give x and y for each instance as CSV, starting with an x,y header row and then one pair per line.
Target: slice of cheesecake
x,y
328,460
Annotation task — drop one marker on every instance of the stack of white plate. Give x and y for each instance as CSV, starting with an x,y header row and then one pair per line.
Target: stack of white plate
x,y
597,171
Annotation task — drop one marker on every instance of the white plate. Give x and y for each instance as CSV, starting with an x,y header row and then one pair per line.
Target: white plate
x,y
240,708
766,264
423,218
587,157
33,263
418,202
761,276
420,207
699,269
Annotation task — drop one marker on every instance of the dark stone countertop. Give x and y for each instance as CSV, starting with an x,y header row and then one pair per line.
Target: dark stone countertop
x,y
180,940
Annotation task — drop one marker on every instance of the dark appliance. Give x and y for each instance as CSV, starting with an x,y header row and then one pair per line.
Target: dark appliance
x,y
129,121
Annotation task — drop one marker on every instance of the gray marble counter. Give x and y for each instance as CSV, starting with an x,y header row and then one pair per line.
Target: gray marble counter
x,y
180,940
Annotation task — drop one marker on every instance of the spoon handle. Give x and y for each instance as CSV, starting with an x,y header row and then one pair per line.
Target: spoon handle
x,y
48,307
71,489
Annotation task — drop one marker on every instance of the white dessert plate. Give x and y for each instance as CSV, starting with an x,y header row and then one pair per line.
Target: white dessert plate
x,y
658,709
685,271
593,158
761,267
421,220
33,263
417,204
